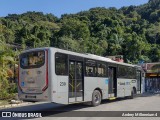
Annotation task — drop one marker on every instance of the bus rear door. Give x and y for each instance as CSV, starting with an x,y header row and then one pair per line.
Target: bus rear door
x,y
75,79
112,91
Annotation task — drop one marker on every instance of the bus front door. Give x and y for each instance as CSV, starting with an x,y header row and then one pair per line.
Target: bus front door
x,y
112,90
75,81
139,80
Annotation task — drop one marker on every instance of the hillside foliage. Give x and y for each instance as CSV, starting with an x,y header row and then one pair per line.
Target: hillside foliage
x,y
132,31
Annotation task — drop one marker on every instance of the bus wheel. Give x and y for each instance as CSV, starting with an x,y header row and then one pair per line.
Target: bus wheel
x,y
133,93
96,98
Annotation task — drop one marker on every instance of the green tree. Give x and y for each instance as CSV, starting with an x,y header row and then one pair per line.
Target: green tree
x,y
6,58
74,28
115,45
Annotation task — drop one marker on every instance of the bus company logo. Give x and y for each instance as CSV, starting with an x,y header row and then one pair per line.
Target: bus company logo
x,y
22,84
106,81
6,114
121,83
128,83
133,81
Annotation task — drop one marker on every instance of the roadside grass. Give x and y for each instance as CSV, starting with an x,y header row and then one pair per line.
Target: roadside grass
x,y
4,102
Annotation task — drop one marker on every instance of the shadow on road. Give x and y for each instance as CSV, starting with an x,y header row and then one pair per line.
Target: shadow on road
x,y
58,110
149,94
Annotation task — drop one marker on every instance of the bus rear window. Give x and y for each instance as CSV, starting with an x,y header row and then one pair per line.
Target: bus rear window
x,y
32,59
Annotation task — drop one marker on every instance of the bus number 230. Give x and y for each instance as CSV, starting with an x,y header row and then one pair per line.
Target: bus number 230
x,y
62,83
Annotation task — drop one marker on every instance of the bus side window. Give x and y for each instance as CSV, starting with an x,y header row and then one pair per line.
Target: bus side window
x,y
122,71
79,70
101,70
131,73
91,68
61,66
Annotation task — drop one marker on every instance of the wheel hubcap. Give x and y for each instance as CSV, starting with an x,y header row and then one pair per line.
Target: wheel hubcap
x,y
96,98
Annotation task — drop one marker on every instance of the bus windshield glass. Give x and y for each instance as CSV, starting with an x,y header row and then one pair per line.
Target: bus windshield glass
x,y
32,59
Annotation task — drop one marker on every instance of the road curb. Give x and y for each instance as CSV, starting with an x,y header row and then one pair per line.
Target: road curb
x,y
14,105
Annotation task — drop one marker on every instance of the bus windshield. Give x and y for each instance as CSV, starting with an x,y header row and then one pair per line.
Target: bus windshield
x,y
32,59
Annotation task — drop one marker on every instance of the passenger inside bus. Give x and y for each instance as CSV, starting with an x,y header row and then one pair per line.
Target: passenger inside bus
x,y
90,72
79,71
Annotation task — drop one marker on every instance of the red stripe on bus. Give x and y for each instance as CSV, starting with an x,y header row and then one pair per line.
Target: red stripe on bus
x,y
46,86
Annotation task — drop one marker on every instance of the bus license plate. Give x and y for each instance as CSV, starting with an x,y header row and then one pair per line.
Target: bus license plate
x,y
30,96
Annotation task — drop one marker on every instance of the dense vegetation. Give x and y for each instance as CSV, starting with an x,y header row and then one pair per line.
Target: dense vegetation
x,y
7,62
132,31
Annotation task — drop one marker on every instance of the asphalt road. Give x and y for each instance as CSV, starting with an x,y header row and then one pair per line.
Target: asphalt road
x,y
147,102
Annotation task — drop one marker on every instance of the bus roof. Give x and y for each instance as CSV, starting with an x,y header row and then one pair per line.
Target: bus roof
x,y
85,55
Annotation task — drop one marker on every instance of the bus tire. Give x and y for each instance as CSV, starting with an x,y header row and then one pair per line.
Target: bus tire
x,y
133,93
96,98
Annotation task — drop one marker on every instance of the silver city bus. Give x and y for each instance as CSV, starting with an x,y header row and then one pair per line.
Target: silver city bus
x,y
65,77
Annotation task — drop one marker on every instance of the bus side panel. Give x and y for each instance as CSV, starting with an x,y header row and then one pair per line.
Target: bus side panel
x,y
128,87
120,87
50,69
53,79
59,84
91,83
62,89
125,86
